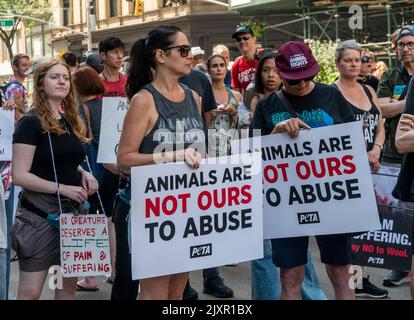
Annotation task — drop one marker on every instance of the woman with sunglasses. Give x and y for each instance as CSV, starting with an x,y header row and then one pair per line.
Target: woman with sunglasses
x,y
159,101
364,104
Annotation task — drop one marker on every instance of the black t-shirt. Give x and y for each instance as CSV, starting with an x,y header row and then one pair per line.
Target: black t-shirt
x,y
409,103
67,150
369,80
404,189
199,82
323,106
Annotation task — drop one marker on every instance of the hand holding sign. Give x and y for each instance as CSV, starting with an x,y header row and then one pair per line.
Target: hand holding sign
x,y
291,126
192,158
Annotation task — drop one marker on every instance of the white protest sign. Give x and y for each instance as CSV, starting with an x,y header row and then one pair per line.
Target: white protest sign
x,y
319,183
113,114
84,245
6,134
184,220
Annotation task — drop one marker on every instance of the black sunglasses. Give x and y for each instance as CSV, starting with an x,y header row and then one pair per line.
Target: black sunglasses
x,y
184,50
245,38
295,82
365,59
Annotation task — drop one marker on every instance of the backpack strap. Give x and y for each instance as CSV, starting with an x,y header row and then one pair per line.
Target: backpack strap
x,y
287,104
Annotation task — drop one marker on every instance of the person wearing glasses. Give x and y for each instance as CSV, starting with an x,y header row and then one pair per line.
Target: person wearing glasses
x,y
244,68
392,92
316,105
364,104
365,76
159,101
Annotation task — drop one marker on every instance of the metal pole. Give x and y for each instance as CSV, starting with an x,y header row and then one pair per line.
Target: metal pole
x,y
304,21
309,24
388,7
336,23
88,25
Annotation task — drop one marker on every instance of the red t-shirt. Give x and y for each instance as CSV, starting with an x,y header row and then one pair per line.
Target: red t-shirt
x,y
115,88
243,72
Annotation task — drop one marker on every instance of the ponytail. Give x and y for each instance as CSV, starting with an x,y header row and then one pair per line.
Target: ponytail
x,y
142,57
139,69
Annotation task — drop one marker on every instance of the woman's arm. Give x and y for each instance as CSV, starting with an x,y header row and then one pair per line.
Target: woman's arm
x,y
374,154
22,162
139,121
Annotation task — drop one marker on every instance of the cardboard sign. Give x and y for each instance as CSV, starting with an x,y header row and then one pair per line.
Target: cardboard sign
x,y
6,134
390,246
113,114
184,219
319,183
84,245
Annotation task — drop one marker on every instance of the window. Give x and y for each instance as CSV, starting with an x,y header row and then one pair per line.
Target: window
x,y
66,6
169,3
113,8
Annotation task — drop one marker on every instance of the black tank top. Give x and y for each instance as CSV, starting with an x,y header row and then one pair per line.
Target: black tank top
x,y
369,119
178,126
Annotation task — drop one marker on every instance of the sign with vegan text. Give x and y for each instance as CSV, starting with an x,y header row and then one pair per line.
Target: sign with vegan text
x,y
113,114
390,246
184,219
6,134
84,245
319,183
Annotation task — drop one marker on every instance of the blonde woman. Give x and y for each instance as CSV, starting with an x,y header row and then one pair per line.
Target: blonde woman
x,y
52,128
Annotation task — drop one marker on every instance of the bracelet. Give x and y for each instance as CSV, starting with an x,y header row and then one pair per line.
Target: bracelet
x,y
379,145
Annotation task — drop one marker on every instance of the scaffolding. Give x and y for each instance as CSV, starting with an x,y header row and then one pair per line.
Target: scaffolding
x,y
328,19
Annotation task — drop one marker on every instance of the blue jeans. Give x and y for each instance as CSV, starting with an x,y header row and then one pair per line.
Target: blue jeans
x,y
9,215
266,283
3,271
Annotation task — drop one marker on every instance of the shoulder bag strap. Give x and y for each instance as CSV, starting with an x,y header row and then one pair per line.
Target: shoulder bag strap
x,y
54,172
287,104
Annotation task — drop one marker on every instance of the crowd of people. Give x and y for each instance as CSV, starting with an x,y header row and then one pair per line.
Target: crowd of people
x,y
166,80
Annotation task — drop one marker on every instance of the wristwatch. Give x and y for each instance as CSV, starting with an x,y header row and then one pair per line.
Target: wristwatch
x,y
381,146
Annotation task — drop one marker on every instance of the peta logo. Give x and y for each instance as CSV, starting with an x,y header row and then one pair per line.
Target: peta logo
x,y
375,260
201,250
308,217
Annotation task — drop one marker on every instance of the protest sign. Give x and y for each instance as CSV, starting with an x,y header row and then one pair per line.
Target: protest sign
x,y
389,247
319,183
113,114
184,219
6,134
84,245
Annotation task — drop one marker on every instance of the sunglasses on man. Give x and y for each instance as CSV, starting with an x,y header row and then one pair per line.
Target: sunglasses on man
x,y
245,38
295,82
184,50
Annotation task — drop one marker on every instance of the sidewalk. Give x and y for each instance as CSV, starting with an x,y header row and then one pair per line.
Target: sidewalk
x,y
238,278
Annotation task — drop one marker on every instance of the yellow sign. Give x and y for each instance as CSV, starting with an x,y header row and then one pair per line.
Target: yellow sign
x,y
139,7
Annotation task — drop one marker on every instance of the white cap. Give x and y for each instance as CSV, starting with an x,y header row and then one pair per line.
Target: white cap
x,y
195,51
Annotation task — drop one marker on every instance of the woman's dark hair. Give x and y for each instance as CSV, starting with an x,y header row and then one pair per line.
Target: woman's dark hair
x,y
142,57
87,82
258,84
216,55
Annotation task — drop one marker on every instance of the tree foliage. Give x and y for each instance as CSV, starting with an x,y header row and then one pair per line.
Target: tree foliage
x,y
26,8
324,53
257,27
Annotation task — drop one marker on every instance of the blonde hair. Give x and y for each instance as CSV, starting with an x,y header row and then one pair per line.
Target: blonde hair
x,y
69,103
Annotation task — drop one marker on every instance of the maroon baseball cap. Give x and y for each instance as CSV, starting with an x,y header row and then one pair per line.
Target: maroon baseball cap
x,y
295,61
